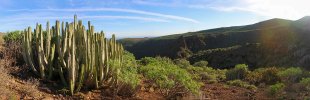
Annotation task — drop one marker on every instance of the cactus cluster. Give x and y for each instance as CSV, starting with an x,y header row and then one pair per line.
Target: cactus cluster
x,y
76,56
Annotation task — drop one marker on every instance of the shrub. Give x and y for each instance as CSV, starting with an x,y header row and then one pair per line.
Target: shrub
x,y
243,84
210,78
263,75
275,89
183,63
12,51
207,74
291,74
129,77
254,77
305,82
201,64
167,76
1,38
215,74
239,72
270,75
196,72
13,36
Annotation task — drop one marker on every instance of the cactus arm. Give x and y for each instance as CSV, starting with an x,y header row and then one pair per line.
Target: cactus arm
x,y
48,40
81,78
72,65
38,49
51,59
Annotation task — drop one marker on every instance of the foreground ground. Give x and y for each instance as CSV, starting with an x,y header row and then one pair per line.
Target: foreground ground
x,y
14,85
17,82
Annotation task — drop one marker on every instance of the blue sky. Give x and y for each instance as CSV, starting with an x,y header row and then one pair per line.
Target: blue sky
x,y
142,18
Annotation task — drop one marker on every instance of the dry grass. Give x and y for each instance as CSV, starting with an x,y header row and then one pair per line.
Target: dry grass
x,y
12,87
5,92
1,39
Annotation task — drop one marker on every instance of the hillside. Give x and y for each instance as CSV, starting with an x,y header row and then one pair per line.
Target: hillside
x,y
131,41
279,41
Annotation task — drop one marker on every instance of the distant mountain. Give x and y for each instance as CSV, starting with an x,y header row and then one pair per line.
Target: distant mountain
x,y
274,42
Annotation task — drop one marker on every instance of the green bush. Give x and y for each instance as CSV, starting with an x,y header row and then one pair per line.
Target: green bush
x,y
240,83
254,77
129,77
196,72
215,74
167,76
201,64
183,63
275,89
209,78
270,75
263,75
207,74
239,72
130,70
305,82
291,74
13,36
12,50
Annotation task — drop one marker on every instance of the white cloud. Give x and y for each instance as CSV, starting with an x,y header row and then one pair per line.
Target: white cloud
x,y
22,20
126,17
157,3
89,17
288,9
115,10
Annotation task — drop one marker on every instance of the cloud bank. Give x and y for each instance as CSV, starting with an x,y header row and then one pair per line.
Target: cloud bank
x,y
287,9
172,17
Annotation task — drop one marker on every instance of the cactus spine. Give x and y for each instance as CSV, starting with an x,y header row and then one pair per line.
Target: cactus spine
x,y
76,56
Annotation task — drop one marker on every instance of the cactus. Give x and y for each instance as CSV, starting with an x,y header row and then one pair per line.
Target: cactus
x,y
76,56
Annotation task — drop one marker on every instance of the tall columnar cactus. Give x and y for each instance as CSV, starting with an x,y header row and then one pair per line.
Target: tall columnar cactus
x,y
76,56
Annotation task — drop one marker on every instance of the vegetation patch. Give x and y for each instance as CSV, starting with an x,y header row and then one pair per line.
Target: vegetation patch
x,y
242,84
276,89
167,76
292,74
305,82
239,72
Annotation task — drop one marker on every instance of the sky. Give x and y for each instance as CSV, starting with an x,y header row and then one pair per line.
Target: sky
x,y
148,18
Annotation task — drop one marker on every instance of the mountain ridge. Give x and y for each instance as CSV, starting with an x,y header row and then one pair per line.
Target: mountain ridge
x,y
279,36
